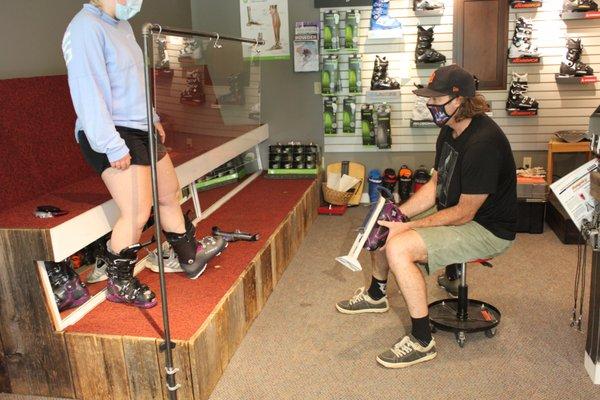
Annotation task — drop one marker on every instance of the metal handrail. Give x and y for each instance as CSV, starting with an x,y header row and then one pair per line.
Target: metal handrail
x,y
151,28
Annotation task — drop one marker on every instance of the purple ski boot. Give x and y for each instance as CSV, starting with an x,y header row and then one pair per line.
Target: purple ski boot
x,y
122,286
390,212
68,289
193,255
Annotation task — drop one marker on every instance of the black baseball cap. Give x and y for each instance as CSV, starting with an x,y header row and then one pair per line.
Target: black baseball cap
x,y
450,80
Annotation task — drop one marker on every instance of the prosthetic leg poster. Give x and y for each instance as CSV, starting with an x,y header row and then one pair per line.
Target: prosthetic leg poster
x,y
266,20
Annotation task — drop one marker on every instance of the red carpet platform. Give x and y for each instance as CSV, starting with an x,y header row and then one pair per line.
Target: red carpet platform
x,y
114,350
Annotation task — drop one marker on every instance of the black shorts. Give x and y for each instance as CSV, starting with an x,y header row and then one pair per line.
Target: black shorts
x,y
135,139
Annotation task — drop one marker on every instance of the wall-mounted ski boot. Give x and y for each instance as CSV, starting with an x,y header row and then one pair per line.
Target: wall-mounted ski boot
x,y
420,112
571,64
236,92
380,79
163,66
579,5
382,24
424,53
521,45
428,5
68,289
517,100
122,286
190,49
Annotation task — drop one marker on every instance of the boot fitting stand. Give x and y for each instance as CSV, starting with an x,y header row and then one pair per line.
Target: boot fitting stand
x,y
525,4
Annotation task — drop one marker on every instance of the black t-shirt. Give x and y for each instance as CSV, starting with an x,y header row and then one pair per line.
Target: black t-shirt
x,y
479,161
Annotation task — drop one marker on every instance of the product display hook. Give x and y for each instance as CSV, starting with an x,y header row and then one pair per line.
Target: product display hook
x,y
217,45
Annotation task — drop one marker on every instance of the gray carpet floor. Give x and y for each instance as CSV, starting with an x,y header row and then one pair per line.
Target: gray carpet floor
x,y
301,348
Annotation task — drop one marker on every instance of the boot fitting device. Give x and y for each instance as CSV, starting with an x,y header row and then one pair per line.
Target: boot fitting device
x,y
122,286
189,251
372,236
235,235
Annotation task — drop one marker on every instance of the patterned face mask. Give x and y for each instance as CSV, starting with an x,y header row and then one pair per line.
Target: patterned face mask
x,y
439,114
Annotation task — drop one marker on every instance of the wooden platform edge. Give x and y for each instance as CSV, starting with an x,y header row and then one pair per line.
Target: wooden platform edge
x,y
124,367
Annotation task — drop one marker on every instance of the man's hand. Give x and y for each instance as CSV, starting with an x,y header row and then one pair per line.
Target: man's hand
x,y
395,228
123,163
161,131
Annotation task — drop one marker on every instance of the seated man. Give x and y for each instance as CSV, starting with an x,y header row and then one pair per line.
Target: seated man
x,y
473,189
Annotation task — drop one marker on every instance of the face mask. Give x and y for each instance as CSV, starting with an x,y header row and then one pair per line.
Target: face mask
x,y
439,114
125,12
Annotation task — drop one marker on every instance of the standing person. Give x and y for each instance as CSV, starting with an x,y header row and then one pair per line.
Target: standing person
x,y
106,79
473,189
276,26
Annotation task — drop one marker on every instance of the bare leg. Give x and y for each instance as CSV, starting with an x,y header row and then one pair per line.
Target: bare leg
x,y
379,265
402,252
132,192
171,217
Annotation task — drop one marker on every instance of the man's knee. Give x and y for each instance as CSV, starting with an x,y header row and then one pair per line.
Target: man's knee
x,y
407,246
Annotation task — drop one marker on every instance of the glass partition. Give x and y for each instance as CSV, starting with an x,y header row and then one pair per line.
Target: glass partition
x,y
205,92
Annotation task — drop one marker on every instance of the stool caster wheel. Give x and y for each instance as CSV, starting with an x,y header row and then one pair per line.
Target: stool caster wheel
x,y
461,338
433,329
490,333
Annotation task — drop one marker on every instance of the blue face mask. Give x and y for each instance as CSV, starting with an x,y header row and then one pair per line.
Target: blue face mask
x,y
439,114
125,12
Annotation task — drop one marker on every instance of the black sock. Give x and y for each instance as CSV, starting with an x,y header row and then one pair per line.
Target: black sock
x,y
377,289
453,271
421,330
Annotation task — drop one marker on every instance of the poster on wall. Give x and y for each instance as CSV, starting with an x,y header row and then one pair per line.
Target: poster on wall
x,y
306,47
266,20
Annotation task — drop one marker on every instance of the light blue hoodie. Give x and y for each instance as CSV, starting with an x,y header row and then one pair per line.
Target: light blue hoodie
x,y
106,78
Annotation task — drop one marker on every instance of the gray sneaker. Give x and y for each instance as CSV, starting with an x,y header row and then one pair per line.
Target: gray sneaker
x,y
407,352
99,272
361,302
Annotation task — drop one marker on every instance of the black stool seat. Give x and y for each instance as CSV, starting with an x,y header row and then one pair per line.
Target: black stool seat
x,y
463,315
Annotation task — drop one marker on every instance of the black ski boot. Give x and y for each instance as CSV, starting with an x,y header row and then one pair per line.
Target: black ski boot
x,y
405,182
517,100
579,5
380,79
571,64
68,289
191,253
423,52
236,92
122,286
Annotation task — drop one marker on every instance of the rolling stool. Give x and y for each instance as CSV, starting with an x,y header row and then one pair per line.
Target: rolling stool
x,y
463,315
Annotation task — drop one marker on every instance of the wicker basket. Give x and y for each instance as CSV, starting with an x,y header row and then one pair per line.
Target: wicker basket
x,y
338,198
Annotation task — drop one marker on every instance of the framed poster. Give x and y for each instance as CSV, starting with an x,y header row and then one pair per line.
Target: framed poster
x,y
266,20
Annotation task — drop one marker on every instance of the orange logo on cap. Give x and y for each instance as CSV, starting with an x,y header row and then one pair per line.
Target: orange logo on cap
x,y
455,89
432,77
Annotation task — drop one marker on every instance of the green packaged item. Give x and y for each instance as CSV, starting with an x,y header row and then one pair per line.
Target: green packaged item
x,y
367,125
383,126
349,115
354,63
330,115
351,29
330,76
331,27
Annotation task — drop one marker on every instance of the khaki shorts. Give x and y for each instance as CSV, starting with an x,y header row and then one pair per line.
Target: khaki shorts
x,y
456,244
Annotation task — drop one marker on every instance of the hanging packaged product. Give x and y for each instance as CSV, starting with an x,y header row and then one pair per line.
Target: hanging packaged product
x,y
330,115
349,116
383,127
367,125
330,76
331,27
354,77
351,29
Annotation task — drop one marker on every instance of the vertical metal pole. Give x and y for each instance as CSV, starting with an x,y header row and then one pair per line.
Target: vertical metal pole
x,y
170,371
